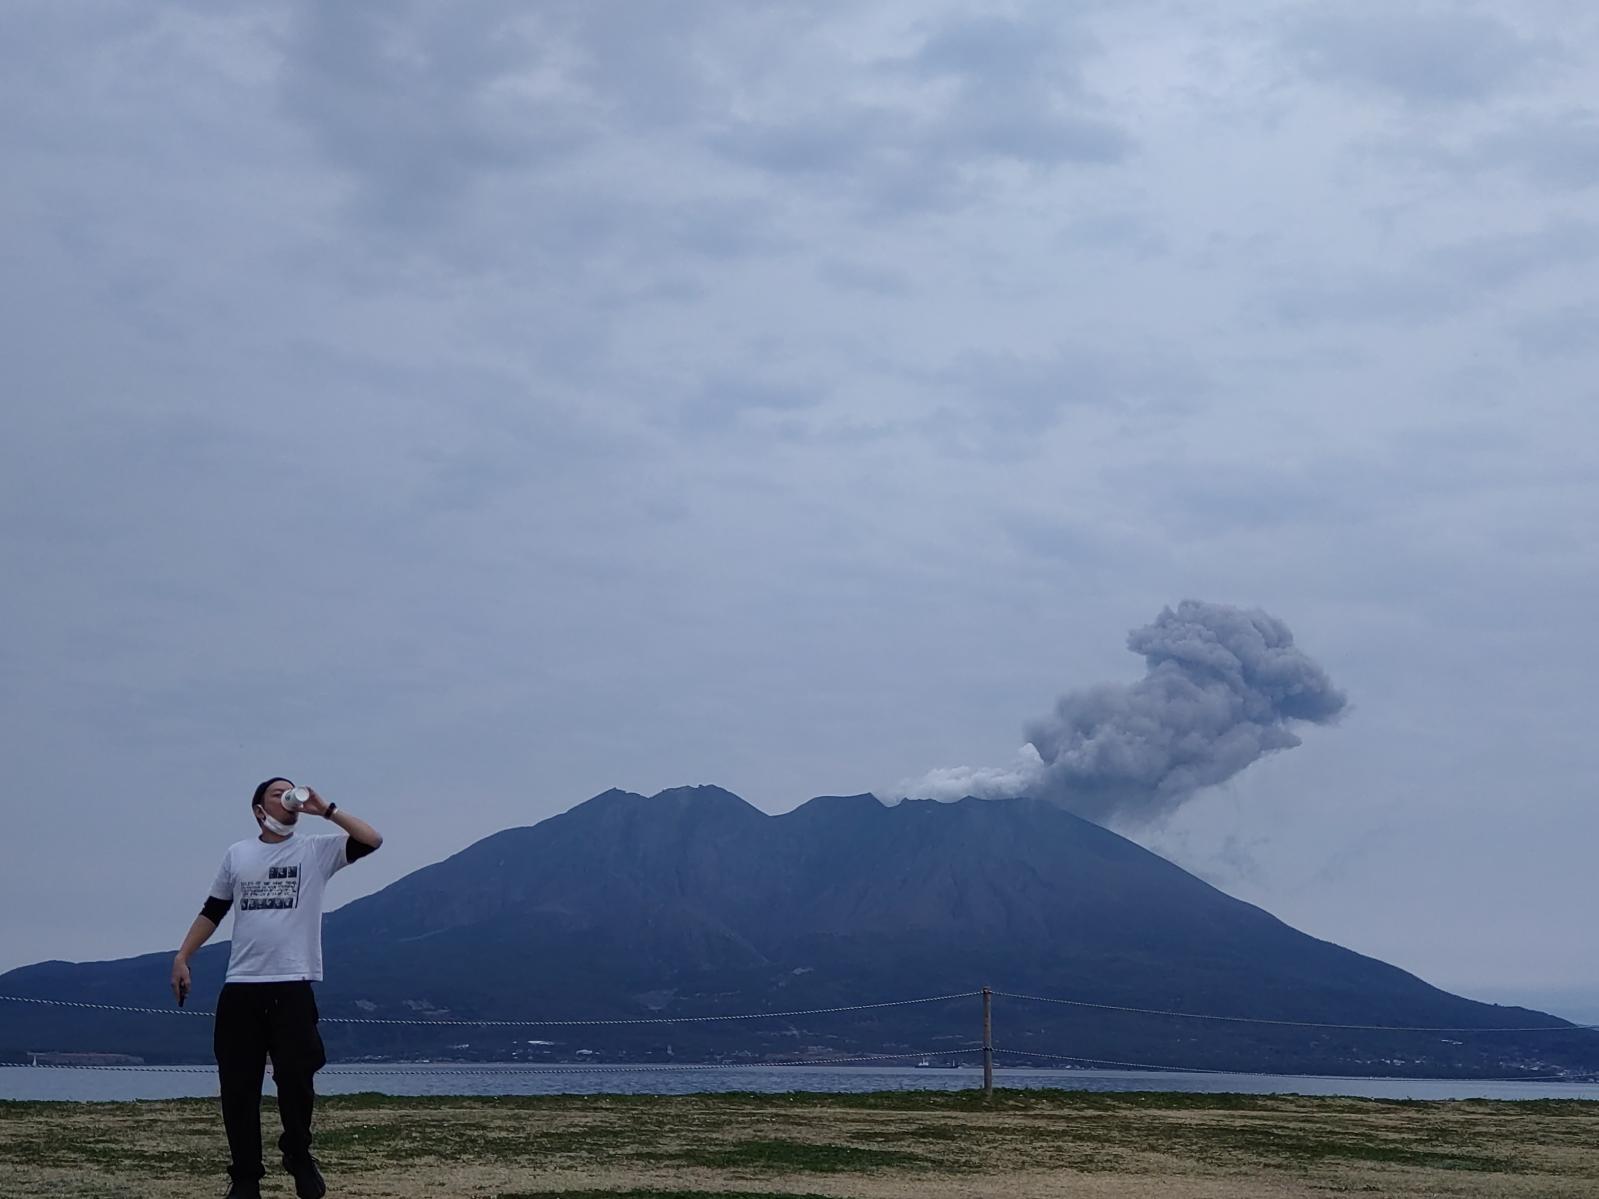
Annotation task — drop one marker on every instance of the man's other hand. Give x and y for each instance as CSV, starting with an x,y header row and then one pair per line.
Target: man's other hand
x,y
316,805
180,980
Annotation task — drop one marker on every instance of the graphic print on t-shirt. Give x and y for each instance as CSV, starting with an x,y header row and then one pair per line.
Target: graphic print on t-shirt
x,y
280,890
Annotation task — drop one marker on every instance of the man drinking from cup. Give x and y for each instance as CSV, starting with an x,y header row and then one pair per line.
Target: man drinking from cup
x,y
273,883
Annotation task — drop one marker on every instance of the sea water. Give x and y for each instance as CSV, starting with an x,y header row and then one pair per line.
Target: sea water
x,y
433,1078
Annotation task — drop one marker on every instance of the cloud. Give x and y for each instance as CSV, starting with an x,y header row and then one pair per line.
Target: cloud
x,y
1019,92
1001,402
1423,54
416,103
729,370
977,92
1563,332
1443,280
723,401
1559,150
421,108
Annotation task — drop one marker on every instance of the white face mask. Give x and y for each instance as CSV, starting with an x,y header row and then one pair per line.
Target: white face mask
x,y
273,825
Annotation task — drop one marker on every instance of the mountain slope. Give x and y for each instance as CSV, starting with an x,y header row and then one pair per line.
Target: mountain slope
x,y
693,902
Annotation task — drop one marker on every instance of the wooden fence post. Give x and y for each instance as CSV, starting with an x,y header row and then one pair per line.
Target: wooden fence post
x,y
988,1043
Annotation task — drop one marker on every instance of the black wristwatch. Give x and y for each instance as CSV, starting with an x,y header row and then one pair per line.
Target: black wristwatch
x,y
332,808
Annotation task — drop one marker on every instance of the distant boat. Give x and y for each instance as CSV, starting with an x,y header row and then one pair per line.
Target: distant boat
x,y
924,1064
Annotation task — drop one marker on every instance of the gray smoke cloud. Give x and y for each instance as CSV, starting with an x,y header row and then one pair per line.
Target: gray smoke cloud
x,y
1224,687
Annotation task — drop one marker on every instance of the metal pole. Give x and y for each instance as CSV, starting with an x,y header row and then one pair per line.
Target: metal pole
x,y
988,1043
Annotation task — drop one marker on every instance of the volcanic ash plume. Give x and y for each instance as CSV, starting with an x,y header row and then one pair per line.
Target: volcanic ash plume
x,y
1224,687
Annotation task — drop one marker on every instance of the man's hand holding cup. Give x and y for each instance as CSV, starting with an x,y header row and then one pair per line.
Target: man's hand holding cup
x,y
306,799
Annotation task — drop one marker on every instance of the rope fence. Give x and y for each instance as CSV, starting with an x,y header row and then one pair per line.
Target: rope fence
x,y
987,1049
1165,1069
1145,1011
491,1068
424,1021
418,1020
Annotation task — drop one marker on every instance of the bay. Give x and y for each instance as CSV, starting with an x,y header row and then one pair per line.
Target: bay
x,y
433,1078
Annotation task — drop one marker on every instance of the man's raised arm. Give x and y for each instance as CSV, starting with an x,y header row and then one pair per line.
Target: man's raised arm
x,y
358,830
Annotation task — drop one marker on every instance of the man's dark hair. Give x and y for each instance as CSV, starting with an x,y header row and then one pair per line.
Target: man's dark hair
x,y
260,792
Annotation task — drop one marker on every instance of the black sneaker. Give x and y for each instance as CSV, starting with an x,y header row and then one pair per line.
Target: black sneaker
x,y
308,1182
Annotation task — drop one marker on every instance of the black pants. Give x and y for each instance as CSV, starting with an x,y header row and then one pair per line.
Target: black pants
x,y
255,1020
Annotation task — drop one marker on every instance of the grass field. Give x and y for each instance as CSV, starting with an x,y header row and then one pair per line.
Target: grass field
x,y
935,1144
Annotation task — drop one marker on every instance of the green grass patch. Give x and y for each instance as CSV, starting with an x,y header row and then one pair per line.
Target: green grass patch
x,y
791,1157
1283,1147
106,1153
933,1133
656,1195
451,1141
744,1140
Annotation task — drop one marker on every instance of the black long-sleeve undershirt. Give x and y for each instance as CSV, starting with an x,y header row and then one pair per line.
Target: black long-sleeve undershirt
x,y
214,909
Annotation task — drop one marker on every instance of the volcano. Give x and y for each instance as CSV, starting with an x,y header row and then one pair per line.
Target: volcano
x,y
692,902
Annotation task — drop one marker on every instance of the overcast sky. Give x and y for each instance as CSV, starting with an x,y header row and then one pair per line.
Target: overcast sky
x,y
465,408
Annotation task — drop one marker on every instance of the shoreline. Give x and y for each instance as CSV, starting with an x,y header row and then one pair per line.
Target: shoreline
x,y
92,1083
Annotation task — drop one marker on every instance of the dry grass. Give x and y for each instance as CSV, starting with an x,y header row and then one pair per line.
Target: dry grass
x,y
937,1145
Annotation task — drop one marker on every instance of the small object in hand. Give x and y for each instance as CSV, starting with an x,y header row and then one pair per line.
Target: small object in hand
x,y
183,993
295,799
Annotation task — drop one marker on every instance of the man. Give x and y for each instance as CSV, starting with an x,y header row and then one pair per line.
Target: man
x,y
274,884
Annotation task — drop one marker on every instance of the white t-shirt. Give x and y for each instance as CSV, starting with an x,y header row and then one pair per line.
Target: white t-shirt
x,y
276,891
